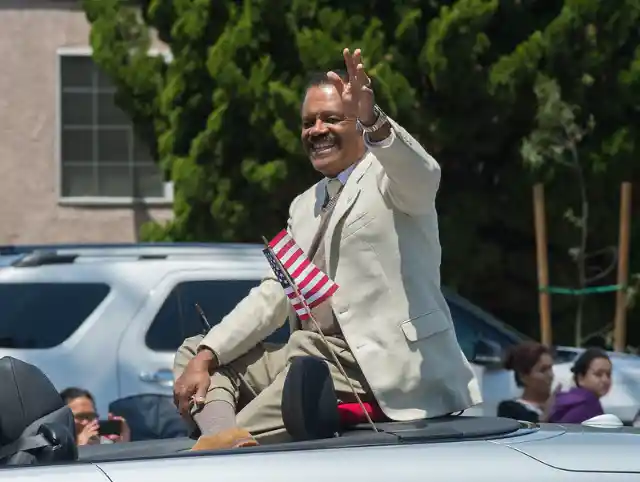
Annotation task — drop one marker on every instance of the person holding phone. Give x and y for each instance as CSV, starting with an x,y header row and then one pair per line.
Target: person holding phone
x,y
90,430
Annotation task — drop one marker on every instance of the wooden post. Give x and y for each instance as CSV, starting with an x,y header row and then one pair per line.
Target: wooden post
x,y
620,320
544,301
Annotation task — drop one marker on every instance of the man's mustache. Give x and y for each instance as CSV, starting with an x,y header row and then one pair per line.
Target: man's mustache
x,y
322,138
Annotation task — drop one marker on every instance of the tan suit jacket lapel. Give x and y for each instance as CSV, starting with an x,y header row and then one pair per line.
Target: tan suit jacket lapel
x,y
347,198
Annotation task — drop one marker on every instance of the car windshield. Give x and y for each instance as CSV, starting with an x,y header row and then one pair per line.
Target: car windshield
x,y
455,300
509,330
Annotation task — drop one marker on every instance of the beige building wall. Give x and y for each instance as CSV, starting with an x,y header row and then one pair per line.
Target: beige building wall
x,y
31,31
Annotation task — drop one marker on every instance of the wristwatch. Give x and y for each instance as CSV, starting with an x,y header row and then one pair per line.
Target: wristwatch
x,y
381,119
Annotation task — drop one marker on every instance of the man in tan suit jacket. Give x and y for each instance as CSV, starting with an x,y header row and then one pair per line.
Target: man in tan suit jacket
x,y
388,322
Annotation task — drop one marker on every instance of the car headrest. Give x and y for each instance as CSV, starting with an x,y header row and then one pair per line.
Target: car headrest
x,y
309,401
150,416
28,400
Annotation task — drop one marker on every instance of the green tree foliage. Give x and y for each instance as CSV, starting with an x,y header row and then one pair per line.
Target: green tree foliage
x,y
223,116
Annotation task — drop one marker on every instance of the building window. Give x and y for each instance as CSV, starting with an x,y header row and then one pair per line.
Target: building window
x,y
101,158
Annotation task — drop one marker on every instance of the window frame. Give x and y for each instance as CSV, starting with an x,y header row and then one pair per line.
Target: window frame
x,y
213,319
117,201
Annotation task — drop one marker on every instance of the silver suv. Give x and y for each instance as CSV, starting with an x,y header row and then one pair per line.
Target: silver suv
x,y
109,318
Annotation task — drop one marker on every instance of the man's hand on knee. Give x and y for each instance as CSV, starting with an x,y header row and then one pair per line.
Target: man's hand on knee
x,y
193,384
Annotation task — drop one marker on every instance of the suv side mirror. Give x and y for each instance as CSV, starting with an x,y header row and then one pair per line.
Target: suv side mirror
x,y
487,352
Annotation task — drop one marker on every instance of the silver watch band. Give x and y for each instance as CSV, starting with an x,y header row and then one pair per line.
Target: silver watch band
x,y
380,121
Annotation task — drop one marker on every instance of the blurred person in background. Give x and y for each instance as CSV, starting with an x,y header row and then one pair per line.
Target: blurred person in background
x,y
592,376
86,418
532,365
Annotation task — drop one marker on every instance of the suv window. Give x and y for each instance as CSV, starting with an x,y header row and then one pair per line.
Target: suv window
x,y
470,328
43,315
178,318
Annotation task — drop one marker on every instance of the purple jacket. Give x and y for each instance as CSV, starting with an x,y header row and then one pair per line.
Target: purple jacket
x,y
575,406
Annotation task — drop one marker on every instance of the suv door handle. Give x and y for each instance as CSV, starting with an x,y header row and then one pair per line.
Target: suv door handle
x,y
162,377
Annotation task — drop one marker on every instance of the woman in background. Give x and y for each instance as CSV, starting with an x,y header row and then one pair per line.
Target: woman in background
x,y
592,376
532,365
83,406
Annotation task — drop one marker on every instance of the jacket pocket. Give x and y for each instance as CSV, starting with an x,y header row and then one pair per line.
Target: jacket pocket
x,y
425,325
360,221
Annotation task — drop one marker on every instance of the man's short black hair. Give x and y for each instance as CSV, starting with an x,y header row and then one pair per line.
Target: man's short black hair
x,y
317,79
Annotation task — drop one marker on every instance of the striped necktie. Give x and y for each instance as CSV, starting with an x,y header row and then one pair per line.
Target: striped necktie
x,y
333,189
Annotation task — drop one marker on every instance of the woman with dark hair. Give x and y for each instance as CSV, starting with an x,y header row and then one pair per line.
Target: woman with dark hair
x,y
83,406
592,376
532,366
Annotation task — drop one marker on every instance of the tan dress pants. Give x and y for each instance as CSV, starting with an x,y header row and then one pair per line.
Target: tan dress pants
x,y
254,382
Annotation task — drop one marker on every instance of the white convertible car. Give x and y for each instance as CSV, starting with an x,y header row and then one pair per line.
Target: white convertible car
x,y
37,444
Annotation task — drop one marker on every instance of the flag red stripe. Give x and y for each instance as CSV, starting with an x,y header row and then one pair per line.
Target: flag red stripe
x,y
327,295
278,237
285,249
298,271
297,253
318,288
307,279
305,275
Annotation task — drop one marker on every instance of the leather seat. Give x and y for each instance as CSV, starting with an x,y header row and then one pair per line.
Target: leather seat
x,y
35,424
310,407
309,401
150,417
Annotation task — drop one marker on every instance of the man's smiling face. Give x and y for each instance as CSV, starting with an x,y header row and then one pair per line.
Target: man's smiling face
x,y
329,134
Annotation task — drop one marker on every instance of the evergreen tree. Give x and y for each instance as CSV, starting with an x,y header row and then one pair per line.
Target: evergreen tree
x,y
223,118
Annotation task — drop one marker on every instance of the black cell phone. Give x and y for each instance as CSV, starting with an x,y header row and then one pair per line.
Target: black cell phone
x,y
110,427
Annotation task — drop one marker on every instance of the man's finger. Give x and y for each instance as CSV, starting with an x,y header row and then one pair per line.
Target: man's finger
x,y
363,78
357,56
180,398
357,60
350,64
201,393
183,406
336,81
178,394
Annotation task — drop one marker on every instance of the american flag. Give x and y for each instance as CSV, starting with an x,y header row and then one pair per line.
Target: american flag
x,y
314,285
